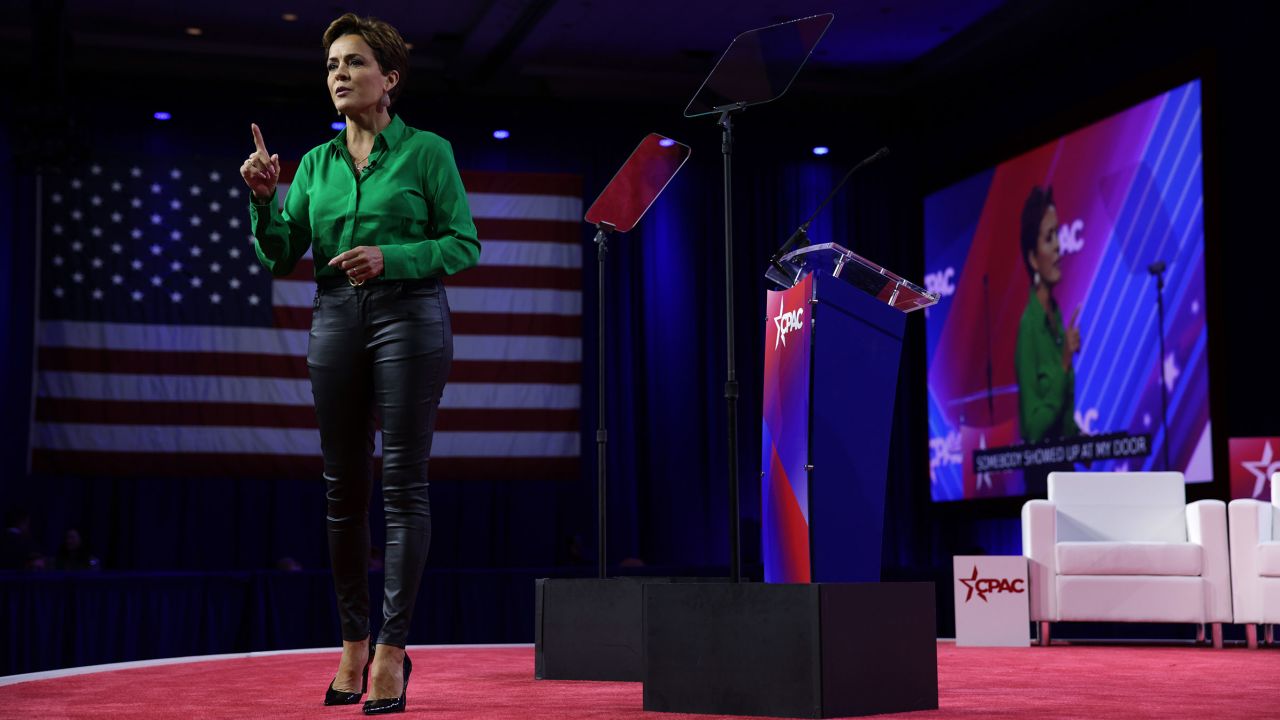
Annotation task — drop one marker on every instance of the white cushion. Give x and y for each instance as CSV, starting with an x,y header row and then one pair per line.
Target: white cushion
x,y
1110,598
1139,506
1269,559
1130,558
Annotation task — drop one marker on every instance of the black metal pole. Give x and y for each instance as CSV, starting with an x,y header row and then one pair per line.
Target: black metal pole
x,y
731,383
1164,389
602,435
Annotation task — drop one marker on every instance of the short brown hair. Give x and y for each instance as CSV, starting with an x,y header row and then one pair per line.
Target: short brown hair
x,y
388,47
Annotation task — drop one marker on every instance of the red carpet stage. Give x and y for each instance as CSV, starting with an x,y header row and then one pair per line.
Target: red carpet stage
x,y
469,682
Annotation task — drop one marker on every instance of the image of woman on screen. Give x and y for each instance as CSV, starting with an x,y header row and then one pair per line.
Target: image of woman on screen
x,y
1045,349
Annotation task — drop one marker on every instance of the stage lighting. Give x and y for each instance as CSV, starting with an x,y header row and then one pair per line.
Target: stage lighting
x,y
821,150
161,115
501,134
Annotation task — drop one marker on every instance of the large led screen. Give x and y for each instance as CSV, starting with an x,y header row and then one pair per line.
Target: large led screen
x,y
1047,350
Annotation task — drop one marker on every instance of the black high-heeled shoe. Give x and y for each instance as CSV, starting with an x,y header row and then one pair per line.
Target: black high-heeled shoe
x,y
386,706
343,697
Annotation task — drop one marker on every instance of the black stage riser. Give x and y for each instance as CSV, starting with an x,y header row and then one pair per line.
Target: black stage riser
x,y
810,651
592,629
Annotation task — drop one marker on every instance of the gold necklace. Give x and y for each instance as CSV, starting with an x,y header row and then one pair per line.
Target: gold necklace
x,y
359,163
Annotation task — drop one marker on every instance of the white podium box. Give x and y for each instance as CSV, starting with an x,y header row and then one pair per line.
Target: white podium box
x,y
991,601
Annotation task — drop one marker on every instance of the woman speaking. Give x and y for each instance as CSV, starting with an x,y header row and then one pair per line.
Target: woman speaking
x,y
384,212
1046,347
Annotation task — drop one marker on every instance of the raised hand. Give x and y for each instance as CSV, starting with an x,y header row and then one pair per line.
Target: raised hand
x,y
261,171
1071,346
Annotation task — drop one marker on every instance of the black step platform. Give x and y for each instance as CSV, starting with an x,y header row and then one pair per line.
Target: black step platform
x,y
591,629
813,651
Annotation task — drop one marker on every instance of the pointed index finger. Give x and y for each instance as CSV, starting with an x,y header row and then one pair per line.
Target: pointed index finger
x,y
257,140
1075,316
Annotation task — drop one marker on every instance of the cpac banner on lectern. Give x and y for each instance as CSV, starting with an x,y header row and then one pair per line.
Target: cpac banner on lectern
x,y
785,525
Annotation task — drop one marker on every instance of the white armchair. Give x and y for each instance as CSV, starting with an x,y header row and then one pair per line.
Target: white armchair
x,y
1126,547
1255,563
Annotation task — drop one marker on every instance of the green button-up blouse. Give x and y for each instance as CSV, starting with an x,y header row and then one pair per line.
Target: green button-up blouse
x,y
409,202
1046,390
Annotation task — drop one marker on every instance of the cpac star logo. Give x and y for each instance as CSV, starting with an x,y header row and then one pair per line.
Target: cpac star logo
x,y
982,586
1261,469
786,322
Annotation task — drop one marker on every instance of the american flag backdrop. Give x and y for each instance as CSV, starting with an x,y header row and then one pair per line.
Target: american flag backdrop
x,y
165,349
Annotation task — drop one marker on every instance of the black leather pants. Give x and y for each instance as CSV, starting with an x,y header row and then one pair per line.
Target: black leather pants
x,y
383,348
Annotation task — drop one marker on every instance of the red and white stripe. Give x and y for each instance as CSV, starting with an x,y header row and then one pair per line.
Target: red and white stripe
x,y
115,398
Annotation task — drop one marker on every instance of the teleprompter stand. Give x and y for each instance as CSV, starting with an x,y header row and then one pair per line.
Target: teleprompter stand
x,y
758,67
590,629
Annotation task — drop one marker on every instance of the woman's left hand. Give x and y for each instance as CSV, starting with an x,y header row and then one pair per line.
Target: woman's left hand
x,y
360,263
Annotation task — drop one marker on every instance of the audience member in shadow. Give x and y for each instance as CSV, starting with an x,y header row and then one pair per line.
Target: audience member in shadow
x,y
73,554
